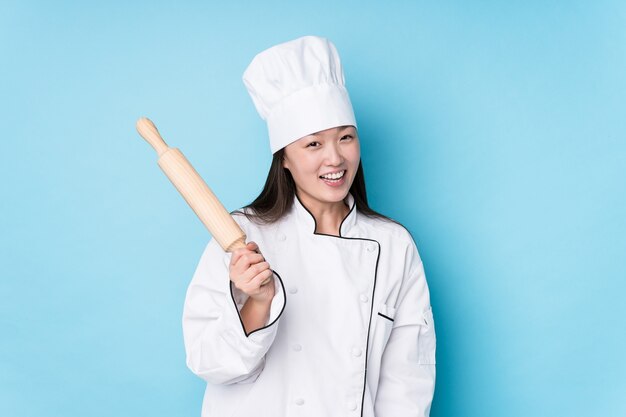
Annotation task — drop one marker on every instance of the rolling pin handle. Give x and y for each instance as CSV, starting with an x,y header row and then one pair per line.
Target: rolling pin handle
x,y
150,133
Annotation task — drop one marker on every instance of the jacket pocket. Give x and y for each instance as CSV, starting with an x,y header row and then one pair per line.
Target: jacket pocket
x,y
384,324
427,340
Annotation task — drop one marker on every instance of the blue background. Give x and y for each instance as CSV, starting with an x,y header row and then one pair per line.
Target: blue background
x,y
495,131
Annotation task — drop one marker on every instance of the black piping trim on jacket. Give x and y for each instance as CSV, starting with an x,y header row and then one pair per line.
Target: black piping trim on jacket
x,y
324,234
388,318
269,324
367,343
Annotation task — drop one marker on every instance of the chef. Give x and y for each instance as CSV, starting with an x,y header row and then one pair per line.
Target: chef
x,y
326,312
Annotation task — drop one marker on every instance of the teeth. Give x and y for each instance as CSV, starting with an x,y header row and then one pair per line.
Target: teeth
x,y
334,176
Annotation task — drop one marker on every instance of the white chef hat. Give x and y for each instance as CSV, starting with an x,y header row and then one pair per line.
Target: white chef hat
x,y
298,87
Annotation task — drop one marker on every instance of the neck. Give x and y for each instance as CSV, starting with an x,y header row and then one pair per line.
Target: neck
x,y
328,216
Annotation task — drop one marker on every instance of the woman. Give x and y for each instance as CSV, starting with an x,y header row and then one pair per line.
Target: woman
x,y
357,336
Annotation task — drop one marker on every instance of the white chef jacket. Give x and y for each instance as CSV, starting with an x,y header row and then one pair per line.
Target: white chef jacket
x,y
350,330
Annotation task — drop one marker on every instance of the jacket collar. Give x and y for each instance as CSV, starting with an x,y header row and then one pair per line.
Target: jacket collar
x,y
306,220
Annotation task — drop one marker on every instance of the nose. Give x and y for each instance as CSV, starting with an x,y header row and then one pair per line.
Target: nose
x,y
333,154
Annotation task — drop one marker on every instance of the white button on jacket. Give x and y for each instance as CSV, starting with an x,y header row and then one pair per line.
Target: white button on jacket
x,y
375,351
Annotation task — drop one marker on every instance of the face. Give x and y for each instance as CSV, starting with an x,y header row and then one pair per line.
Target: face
x,y
324,164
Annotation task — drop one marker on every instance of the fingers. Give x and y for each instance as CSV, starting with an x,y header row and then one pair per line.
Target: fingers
x,y
253,278
246,260
237,254
258,279
267,280
254,270
248,268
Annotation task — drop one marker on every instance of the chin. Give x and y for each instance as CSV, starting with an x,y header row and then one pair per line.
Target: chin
x,y
335,196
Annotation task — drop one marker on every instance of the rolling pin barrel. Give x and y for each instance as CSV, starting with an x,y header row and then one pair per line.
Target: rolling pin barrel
x,y
194,190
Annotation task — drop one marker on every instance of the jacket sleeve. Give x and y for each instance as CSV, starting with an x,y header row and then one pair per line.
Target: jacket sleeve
x,y
217,346
407,375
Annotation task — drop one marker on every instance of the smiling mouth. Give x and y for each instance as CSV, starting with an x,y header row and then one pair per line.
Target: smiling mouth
x,y
333,177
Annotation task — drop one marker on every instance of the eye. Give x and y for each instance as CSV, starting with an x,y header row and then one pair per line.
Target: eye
x,y
347,137
313,144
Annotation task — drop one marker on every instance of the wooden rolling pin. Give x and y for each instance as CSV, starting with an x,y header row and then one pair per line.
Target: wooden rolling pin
x,y
194,190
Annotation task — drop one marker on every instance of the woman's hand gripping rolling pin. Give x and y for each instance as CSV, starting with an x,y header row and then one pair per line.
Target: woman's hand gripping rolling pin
x,y
251,274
